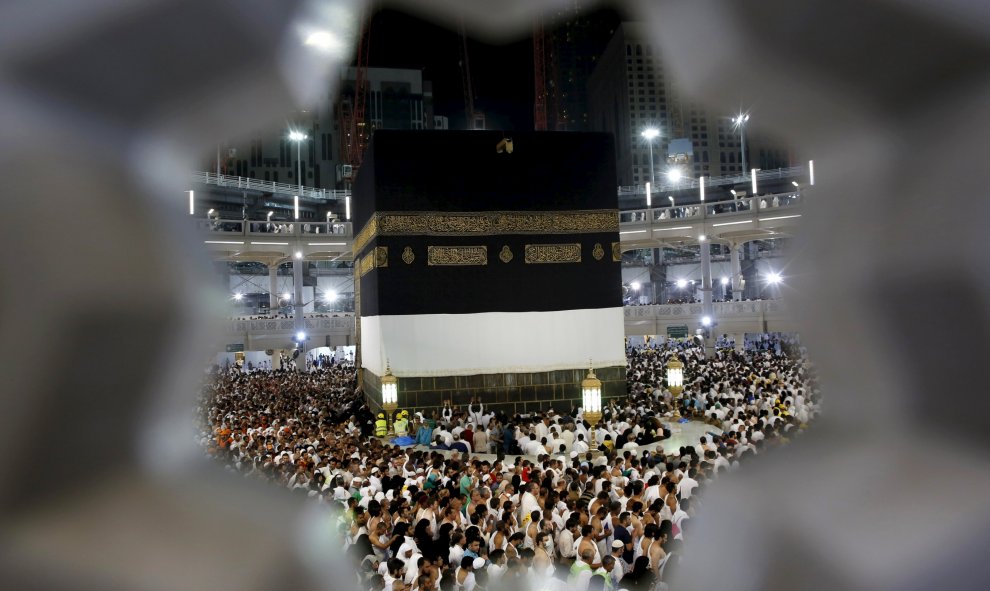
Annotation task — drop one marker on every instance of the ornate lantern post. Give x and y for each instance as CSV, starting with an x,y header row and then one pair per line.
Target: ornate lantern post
x,y
675,381
591,395
390,397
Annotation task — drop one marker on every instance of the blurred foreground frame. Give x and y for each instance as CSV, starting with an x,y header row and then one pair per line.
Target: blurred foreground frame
x,y
105,110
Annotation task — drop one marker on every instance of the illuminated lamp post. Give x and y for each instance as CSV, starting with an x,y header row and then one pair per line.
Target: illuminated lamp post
x,y
298,137
591,396
649,135
675,381
739,122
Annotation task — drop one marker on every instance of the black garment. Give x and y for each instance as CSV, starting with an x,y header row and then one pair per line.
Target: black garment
x,y
427,547
642,582
623,534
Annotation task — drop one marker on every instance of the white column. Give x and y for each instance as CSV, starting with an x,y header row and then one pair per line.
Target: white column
x,y
297,301
273,287
656,287
298,312
736,270
706,293
706,278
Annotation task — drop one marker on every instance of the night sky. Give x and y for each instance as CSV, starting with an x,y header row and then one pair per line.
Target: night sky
x,y
502,75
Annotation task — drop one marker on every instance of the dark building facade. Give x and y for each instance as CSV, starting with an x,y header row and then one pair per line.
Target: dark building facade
x,y
576,42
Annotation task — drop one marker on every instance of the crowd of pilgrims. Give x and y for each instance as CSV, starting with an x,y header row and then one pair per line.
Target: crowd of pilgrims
x,y
446,515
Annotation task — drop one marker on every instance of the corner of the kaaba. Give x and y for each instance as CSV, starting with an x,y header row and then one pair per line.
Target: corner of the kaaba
x,y
488,274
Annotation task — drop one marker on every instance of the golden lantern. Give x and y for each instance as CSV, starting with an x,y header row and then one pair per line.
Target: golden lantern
x,y
390,396
591,396
675,381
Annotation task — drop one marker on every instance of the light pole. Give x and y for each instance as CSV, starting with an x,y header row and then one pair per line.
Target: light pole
x,y
591,397
649,134
298,137
739,121
390,397
675,382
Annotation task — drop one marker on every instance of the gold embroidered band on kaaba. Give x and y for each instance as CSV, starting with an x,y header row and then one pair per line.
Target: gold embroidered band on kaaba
x,y
486,224
457,255
376,259
553,253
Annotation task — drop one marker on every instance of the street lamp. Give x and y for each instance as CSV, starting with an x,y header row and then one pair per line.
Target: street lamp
x,y
390,396
739,122
591,396
675,381
674,174
298,137
649,134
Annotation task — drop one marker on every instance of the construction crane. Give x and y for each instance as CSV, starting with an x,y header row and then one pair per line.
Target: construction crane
x,y
475,119
559,117
354,129
546,88
540,76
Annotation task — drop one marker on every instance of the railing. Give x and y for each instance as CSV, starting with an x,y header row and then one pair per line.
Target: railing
x,y
719,309
308,315
275,230
711,210
685,312
716,181
337,230
338,325
240,182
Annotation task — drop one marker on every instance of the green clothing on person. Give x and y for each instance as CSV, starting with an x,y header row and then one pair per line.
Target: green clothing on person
x,y
466,483
576,569
605,575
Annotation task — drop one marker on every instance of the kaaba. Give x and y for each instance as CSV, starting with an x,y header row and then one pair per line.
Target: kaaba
x,y
488,264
